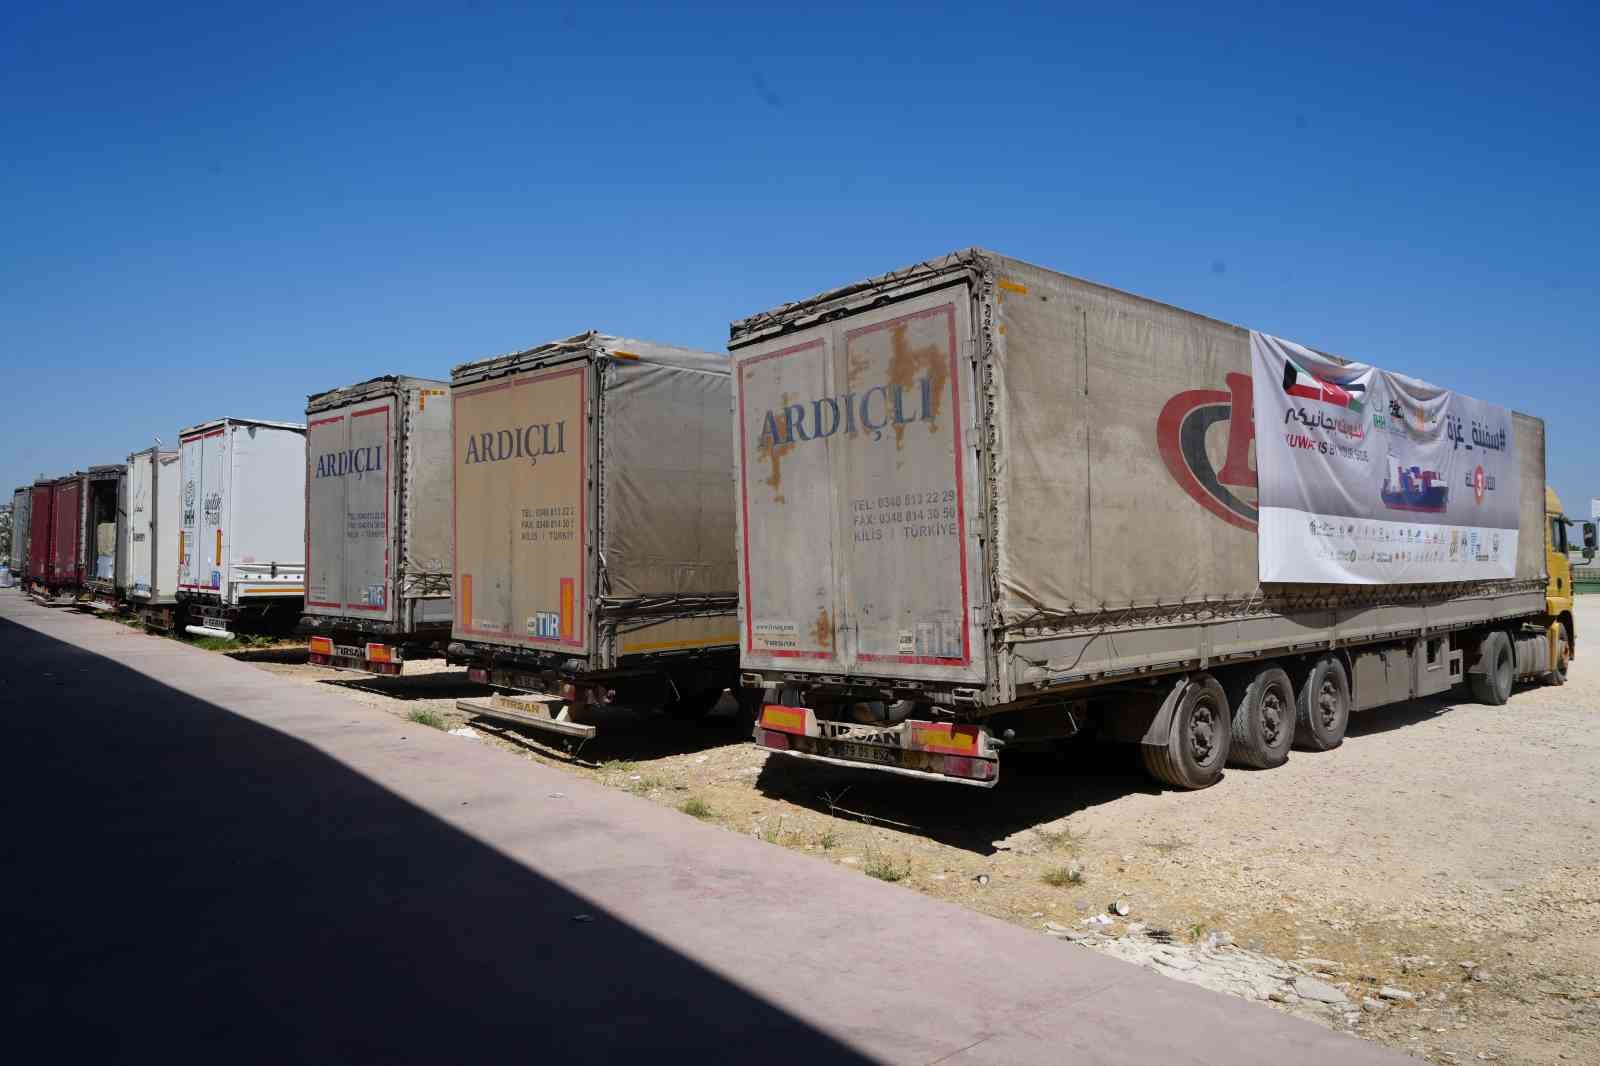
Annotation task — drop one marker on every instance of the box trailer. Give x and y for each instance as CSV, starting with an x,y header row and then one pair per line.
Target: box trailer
x,y
61,556
378,518
984,504
594,554
21,506
241,526
41,529
103,537
154,494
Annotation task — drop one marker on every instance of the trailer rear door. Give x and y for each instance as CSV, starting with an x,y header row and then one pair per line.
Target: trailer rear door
x,y
522,509
349,515
67,522
857,483
141,511
205,484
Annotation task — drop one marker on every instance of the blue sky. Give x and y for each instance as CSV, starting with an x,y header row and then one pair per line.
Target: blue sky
x,y
217,209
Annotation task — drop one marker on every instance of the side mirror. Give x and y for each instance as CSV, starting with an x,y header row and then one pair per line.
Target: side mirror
x,y
1589,540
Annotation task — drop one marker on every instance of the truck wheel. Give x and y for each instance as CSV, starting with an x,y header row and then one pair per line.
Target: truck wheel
x,y
750,700
1499,661
1263,720
1558,676
693,704
1322,713
1197,744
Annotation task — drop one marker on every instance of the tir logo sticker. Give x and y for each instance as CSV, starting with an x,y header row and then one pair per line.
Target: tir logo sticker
x,y
1182,432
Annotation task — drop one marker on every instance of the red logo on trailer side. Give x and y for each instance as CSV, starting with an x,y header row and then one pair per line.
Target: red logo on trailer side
x,y
1181,432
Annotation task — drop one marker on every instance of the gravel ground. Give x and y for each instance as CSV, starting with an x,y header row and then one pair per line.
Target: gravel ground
x,y
1433,884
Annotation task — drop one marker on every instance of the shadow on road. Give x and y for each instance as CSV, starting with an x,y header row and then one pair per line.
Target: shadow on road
x,y
443,685
629,734
1034,790
180,883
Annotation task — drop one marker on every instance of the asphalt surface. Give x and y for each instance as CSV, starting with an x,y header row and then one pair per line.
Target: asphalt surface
x,y
201,859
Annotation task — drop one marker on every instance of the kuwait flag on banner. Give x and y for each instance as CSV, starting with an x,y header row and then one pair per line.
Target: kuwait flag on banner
x,y
1297,382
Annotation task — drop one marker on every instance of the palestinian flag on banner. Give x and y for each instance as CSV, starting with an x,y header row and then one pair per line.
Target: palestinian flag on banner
x,y
1297,382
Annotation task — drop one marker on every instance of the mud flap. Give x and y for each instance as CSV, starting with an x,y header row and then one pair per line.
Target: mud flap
x,y
1144,721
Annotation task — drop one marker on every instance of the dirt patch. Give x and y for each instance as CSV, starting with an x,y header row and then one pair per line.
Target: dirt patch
x,y
906,364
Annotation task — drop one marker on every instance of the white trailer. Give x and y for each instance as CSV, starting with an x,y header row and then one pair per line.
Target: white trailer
x,y
378,523
21,520
153,495
241,540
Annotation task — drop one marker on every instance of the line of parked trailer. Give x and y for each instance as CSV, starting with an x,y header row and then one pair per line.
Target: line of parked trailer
x,y
967,506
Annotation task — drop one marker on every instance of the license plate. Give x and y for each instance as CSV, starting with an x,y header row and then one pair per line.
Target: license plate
x,y
348,652
848,749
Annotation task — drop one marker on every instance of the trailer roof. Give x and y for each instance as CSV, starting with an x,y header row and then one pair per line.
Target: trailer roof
x,y
378,386
215,422
105,470
969,260
592,345
155,450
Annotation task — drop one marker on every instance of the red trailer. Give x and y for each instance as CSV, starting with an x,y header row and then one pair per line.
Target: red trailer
x,y
64,572
41,522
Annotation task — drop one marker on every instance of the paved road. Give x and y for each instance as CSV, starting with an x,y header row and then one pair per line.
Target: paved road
x,y
201,859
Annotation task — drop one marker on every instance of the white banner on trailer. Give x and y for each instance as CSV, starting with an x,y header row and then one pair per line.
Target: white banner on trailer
x,y
1369,477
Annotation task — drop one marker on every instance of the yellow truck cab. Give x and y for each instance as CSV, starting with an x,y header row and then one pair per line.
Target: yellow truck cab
x,y
1558,590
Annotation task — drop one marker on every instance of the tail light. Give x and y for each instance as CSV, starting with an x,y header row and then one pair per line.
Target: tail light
x,y
771,738
321,646
973,769
379,653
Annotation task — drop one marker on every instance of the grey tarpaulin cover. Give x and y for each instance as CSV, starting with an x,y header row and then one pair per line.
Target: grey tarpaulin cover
x,y
667,449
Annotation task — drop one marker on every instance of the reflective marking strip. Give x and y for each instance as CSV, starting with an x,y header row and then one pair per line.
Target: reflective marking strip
x,y
322,645
945,738
466,601
1013,286
692,642
619,354
567,597
218,557
784,719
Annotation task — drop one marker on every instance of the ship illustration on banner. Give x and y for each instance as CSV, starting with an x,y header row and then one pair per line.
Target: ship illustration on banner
x,y
1410,488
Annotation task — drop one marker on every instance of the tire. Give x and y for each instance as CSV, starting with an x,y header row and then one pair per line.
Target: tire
x,y
1558,676
750,702
1263,720
1322,711
694,704
1198,741
1499,661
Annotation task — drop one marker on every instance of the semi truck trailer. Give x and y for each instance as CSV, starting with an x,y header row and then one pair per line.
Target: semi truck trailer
x,y
21,508
104,538
984,505
241,525
378,551
594,560
154,498
55,569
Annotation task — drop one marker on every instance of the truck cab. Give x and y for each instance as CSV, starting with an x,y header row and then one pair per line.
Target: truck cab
x,y
1558,564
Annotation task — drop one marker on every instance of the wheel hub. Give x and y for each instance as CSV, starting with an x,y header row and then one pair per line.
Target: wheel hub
x,y
1328,704
1271,717
1202,732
